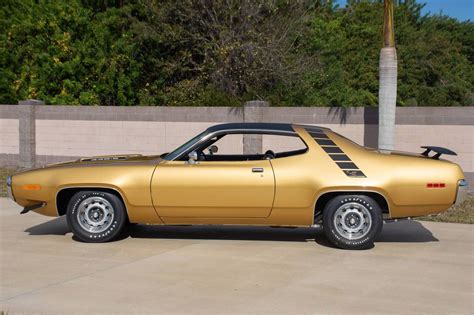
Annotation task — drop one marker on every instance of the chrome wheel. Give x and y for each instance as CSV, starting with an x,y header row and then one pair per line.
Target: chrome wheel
x,y
95,214
352,220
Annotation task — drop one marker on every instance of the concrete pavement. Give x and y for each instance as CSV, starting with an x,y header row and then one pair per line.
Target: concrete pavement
x,y
413,268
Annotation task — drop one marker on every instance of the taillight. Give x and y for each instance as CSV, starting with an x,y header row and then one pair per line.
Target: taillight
x,y
435,185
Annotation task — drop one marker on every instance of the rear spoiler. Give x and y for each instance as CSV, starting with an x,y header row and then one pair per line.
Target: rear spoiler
x,y
437,150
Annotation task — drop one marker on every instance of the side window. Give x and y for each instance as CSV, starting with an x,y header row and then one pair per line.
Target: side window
x,y
283,145
231,144
231,147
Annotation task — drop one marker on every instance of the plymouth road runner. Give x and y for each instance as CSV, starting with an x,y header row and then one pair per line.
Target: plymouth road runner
x,y
322,178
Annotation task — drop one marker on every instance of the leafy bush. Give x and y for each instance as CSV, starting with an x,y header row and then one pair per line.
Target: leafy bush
x,y
225,52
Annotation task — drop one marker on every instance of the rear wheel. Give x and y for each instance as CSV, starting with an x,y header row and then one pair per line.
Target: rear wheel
x,y
352,221
96,216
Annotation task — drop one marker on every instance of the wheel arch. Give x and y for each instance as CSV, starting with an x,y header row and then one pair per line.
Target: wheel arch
x,y
64,195
325,197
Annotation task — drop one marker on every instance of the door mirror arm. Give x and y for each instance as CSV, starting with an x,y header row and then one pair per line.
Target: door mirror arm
x,y
193,158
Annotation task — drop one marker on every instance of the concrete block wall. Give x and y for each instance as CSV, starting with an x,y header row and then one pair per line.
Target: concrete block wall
x,y
10,143
9,136
67,132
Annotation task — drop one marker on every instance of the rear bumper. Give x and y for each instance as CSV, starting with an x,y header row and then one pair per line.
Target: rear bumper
x,y
461,193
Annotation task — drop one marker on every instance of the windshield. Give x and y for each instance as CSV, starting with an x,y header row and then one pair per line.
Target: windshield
x,y
178,151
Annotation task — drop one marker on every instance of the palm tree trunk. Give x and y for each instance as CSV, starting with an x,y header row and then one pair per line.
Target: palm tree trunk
x,y
387,97
387,82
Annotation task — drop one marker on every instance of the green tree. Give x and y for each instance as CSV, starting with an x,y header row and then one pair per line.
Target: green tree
x,y
219,51
63,53
434,65
224,52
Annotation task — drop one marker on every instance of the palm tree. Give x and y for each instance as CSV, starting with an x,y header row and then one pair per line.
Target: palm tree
x,y
387,81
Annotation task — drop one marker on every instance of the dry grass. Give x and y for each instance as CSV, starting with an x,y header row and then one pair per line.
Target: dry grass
x,y
463,213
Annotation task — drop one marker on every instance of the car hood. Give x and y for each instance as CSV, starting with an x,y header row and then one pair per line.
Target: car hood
x,y
104,160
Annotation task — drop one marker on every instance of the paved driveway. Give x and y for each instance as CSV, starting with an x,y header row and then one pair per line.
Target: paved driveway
x,y
414,267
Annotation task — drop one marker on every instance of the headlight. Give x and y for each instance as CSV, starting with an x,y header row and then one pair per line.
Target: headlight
x,y
9,181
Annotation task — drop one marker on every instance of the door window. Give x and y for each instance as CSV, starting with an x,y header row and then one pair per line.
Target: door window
x,y
230,147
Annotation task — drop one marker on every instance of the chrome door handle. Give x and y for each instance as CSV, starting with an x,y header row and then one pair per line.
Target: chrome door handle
x,y
257,170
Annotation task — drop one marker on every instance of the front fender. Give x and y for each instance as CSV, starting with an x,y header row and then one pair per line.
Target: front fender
x,y
131,182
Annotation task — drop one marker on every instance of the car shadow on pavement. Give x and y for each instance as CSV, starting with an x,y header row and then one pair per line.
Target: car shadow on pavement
x,y
403,232
56,226
406,231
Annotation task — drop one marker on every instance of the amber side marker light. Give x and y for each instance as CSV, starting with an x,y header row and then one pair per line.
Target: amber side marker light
x,y
31,187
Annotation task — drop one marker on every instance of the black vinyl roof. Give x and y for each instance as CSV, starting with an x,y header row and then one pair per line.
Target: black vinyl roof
x,y
252,126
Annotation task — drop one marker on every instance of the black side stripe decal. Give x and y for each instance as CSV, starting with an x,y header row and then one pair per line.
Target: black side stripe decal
x,y
314,129
332,150
337,155
318,135
347,165
325,142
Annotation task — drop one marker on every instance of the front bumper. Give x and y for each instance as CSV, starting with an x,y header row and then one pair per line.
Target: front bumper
x,y
9,188
461,193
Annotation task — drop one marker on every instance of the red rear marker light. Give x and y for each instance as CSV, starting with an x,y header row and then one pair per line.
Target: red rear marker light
x,y
435,185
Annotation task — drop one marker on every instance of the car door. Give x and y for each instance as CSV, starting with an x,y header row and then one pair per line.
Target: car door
x,y
214,189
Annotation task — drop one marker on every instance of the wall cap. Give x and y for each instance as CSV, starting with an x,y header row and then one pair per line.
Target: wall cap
x,y
31,102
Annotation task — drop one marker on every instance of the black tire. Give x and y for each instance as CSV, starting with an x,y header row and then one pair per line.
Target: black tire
x,y
360,214
112,208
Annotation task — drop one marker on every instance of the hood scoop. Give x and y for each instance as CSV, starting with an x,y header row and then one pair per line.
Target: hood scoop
x,y
123,157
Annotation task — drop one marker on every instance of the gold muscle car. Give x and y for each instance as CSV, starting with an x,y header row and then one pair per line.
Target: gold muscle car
x,y
322,178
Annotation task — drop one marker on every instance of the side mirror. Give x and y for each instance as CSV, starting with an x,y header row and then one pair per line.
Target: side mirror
x,y
213,149
193,157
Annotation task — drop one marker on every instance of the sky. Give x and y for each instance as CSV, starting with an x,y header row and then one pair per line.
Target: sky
x,y
461,9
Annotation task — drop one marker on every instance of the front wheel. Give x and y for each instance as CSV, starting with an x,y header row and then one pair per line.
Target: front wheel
x,y
96,216
352,221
